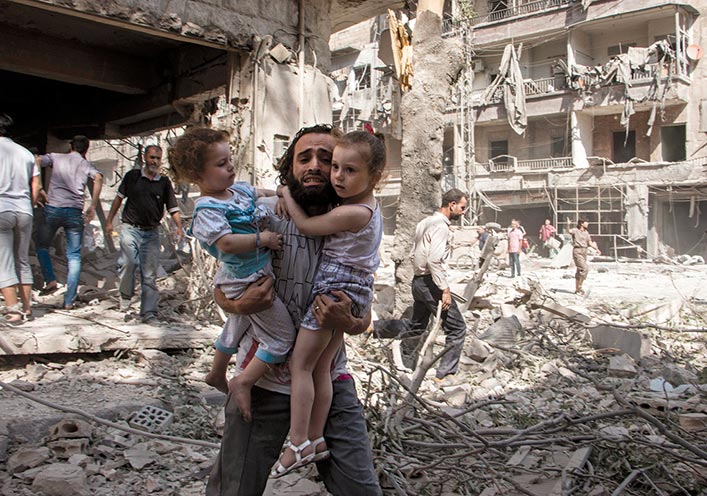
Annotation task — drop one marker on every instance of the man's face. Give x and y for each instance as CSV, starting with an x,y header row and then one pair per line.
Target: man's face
x,y
153,159
457,209
311,165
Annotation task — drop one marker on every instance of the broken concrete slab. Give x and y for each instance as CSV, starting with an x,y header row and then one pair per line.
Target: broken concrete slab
x,y
622,366
477,350
61,479
505,332
66,448
562,311
659,313
693,422
633,343
26,458
139,457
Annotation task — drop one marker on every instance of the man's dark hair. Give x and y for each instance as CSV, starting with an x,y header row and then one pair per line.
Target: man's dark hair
x,y
453,195
5,124
307,197
284,165
79,144
147,149
581,221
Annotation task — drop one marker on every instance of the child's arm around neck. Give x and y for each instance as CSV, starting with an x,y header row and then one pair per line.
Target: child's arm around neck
x,y
343,218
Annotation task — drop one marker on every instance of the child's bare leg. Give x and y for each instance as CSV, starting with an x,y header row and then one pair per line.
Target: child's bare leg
x,y
240,386
308,348
219,368
323,391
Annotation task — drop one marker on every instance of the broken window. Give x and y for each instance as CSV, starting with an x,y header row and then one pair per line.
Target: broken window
x,y
672,142
624,148
499,148
615,50
498,9
558,147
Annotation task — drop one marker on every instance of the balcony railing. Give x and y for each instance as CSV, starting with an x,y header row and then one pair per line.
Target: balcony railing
x,y
509,163
636,75
501,14
533,87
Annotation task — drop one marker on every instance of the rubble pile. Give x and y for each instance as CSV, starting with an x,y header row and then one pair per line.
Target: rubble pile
x,y
549,400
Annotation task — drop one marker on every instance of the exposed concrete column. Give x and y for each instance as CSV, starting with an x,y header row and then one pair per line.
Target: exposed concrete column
x,y
581,129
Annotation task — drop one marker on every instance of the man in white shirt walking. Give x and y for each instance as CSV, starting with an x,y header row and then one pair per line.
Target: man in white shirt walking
x,y
430,282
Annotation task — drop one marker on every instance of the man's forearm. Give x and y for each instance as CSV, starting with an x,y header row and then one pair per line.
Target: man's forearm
x,y
97,186
115,206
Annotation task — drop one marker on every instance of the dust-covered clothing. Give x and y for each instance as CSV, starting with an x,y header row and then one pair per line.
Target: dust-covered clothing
x,y
70,173
581,240
349,262
431,248
213,219
547,231
17,168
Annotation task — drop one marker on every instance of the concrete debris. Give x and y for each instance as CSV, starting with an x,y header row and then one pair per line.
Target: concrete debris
x,y
633,343
71,428
504,332
693,422
66,448
622,366
26,458
139,457
61,479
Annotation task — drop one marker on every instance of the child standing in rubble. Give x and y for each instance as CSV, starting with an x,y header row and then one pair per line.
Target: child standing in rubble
x,y
227,222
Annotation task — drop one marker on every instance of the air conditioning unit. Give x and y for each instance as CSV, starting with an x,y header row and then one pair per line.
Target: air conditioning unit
x,y
479,65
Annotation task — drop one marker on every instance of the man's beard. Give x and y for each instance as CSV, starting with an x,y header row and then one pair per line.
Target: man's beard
x,y
454,216
312,198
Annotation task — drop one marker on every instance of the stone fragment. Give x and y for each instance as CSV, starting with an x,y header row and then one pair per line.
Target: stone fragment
x,y
622,366
79,459
23,385
71,428
139,457
26,458
477,350
693,422
61,479
563,311
65,448
614,432
677,375
632,343
455,397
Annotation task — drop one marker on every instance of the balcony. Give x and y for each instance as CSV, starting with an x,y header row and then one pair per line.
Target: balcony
x,y
509,163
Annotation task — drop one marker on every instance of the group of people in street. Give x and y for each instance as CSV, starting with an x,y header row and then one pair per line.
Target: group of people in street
x,y
55,199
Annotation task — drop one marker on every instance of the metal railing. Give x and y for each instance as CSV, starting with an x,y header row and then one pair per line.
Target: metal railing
x,y
501,14
509,163
532,87
637,75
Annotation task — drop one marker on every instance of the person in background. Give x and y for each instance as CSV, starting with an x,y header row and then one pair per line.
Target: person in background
x,y
20,188
581,241
515,244
148,194
547,236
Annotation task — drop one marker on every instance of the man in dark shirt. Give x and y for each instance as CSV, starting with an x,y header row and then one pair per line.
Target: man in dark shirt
x,y
148,194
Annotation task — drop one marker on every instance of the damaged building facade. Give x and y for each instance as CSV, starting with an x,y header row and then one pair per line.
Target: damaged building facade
x,y
135,67
594,109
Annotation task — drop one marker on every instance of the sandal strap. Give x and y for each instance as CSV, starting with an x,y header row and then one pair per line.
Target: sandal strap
x,y
298,449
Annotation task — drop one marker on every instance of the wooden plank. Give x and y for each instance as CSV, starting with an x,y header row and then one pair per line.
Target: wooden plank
x,y
62,333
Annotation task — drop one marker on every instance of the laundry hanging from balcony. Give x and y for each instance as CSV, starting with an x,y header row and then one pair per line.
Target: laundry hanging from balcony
x,y
656,62
510,78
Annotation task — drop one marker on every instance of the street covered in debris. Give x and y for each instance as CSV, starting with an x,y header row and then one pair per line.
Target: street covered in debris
x,y
556,393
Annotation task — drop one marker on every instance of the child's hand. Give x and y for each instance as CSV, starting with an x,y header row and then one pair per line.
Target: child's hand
x,y
271,240
281,208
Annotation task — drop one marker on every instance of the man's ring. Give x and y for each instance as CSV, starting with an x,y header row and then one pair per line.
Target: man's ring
x,y
316,307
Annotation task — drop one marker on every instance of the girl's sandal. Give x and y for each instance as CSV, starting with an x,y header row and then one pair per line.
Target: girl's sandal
x,y
300,461
322,455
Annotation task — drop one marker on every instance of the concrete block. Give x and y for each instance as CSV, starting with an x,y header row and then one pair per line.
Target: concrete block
x,y
66,448
61,479
26,458
677,375
622,366
477,350
632,343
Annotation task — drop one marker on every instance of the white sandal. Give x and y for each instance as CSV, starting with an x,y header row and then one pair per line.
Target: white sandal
x,y
300,461
322,455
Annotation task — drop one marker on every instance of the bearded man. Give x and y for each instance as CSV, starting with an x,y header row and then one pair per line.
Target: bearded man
x,y
148,194
250,449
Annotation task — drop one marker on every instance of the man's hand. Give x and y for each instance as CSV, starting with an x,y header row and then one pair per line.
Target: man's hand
x,y
336,313
271,240
178,235
446,299
42,198
281,208
109,228
90,213
256,298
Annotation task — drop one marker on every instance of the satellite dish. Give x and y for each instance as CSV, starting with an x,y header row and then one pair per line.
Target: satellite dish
x,y
694,52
